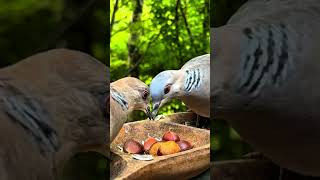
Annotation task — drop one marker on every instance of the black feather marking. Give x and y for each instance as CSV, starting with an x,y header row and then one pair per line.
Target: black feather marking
x,y
246,62
193,80
255,66
198,79
270,53
257,54
253,82
119,98
248,32
189,80
283,58
30,115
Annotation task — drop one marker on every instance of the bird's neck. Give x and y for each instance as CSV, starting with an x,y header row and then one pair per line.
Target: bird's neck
x,y
120,98
253,55
178,86
191,80
226,43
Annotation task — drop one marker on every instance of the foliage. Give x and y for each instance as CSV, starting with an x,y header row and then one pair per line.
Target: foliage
x,y
170,34
30,26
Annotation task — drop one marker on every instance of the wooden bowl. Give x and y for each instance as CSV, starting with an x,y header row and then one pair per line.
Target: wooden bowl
x,y
182,165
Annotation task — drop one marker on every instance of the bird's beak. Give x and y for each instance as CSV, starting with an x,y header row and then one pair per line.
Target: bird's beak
x,y
156,107
148,113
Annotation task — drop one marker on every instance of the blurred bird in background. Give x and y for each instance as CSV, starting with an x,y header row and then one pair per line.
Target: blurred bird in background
x,y
265,79
51,107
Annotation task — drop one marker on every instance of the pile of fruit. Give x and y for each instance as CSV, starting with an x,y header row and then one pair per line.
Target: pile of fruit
x,y
169,144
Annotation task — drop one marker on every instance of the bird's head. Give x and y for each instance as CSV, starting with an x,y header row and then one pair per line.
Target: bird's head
x,y
163,88
136,92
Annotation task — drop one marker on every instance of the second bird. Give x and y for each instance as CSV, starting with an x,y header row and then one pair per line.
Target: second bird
x,y
190,84
127,94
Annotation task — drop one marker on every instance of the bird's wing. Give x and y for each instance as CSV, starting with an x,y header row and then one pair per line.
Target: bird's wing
x,y
197,84
202,61
197,74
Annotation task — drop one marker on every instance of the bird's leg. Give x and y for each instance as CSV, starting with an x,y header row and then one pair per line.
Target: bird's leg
x,y
197,117
157,118
197,121
281,177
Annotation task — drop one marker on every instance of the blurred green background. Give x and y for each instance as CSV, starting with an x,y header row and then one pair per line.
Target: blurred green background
x,y
151,36
225,142
31,26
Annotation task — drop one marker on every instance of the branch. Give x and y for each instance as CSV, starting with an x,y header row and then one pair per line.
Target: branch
x,y
120,30
66,23
115,9
152,40
119,20
176,19
188,28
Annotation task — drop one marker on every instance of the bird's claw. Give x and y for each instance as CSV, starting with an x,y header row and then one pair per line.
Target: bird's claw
x,y
149,113
157,118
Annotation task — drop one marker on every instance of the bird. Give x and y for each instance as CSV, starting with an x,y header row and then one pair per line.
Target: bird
x,y
126,95
265,80
191,84
51,107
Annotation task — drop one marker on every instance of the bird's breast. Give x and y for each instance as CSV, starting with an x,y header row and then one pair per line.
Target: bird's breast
x,y
199,105
289,141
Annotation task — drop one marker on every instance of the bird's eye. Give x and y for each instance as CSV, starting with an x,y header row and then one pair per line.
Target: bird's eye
x,y
145,95
167,89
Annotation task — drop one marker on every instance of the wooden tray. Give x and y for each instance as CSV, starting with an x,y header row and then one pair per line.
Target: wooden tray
x,y
183,165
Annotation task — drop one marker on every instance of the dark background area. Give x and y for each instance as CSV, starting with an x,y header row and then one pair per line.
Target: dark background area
x,y
226,144
30,26
222,10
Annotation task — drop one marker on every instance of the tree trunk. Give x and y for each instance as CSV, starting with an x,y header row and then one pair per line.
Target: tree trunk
x,y
113,17
134,53
205,24
176,20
